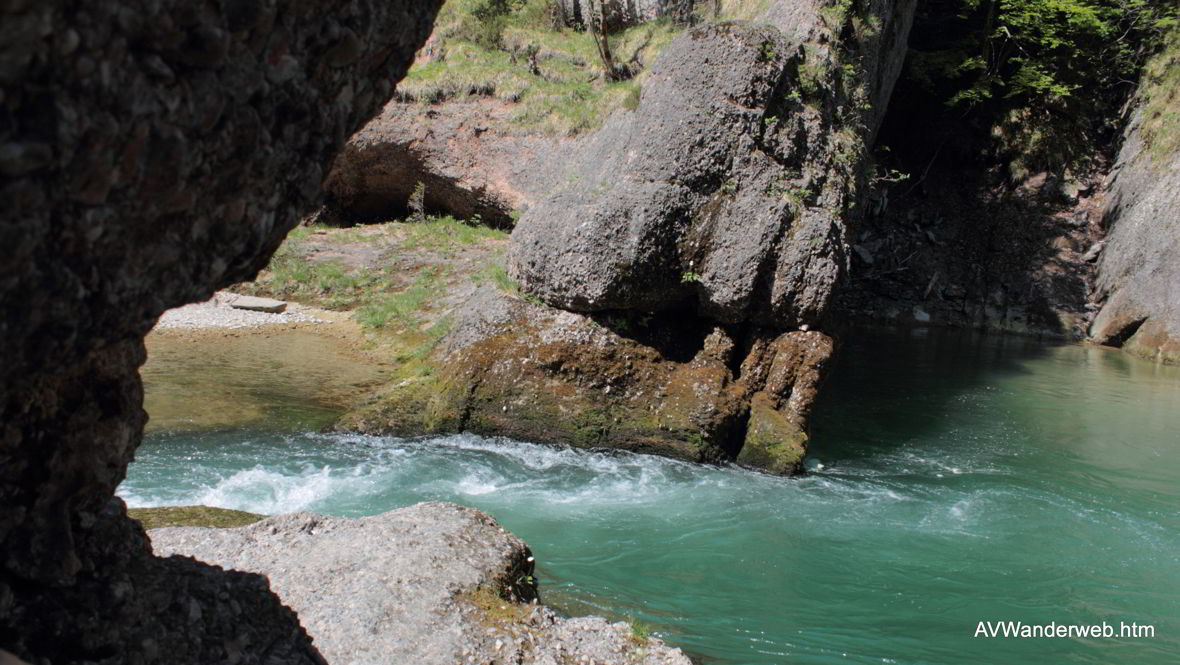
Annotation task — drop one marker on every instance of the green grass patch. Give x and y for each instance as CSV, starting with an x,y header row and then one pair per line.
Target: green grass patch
x,y
495,611
155,518
384,295
511,50
406,306
497,274
328,284
641,631
447,234
1161,91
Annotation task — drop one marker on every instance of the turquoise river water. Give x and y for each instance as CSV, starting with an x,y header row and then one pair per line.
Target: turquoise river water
x,y
965,479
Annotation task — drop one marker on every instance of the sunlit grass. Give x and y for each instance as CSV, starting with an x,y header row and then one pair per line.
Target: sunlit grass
x,y
566,95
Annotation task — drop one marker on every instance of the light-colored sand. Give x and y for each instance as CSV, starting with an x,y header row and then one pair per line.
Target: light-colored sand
x,y
217,312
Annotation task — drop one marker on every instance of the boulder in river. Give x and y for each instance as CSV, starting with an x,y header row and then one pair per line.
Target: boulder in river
x,y
679,388
431,584
679,278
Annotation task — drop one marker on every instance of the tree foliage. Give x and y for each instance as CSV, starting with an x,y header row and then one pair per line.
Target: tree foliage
x,y
1042,74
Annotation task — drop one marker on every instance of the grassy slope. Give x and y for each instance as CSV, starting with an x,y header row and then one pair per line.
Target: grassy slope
x,y
402,280
570,95
1161,90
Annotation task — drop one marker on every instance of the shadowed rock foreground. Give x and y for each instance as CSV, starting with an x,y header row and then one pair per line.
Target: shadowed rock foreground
x,y
152,152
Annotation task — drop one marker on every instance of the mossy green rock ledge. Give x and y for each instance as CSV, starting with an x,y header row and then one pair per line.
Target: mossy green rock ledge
x,y
773,442
155,518
674,388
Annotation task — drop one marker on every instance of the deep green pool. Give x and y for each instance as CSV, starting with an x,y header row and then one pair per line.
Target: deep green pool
x,y
964,479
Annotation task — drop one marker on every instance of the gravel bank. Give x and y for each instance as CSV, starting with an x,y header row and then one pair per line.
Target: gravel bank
x,y
218,312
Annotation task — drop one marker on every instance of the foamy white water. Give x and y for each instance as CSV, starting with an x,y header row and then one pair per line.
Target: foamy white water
x,y
992,482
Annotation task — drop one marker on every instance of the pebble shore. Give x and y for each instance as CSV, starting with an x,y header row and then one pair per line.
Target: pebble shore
x,y
218,312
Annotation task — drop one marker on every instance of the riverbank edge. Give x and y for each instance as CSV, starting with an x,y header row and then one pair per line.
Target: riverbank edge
x,y
466,569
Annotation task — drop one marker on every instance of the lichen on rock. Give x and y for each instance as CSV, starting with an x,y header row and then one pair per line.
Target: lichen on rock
x,y
685,389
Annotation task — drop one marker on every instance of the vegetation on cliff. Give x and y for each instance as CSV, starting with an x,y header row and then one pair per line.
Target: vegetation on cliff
x,y
1036,84
1161,93
515,52
518,51
403,280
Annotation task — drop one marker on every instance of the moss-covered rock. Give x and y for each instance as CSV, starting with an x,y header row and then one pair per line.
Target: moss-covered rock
x,y
155,518
773,441
526,371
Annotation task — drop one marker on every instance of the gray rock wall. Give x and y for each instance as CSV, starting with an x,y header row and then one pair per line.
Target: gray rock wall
x,y
622,14
730,189
152,151
464,152
1139,270
726,198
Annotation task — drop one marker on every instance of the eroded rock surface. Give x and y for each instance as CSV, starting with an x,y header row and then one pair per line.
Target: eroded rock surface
x,y
727,189
464,153
1139,270
687,261
152,152
432,584
619,14
680,388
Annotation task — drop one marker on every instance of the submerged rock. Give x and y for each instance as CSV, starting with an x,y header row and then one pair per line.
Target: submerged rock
x,y
432,584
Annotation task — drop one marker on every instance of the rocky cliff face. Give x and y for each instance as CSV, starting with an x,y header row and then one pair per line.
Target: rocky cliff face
x,y
619,14
463,153
727,190
1139,274
687,259
152,152
957,250
727,196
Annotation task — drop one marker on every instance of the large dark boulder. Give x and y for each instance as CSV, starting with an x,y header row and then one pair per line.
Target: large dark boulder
x,y
152,151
